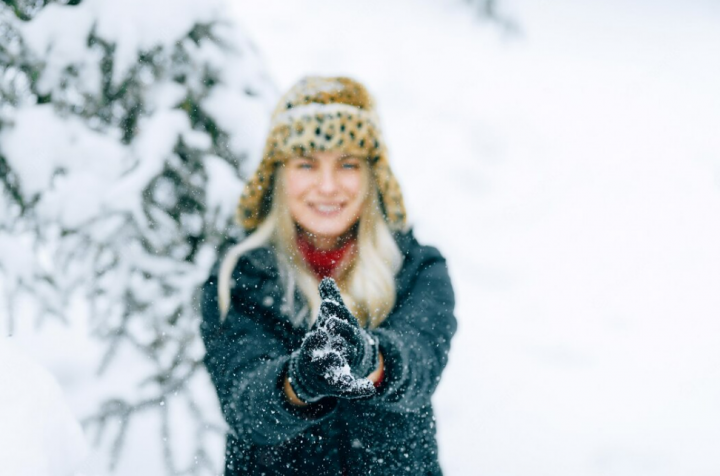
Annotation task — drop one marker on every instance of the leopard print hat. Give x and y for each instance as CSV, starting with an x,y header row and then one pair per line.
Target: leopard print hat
x,y
322,114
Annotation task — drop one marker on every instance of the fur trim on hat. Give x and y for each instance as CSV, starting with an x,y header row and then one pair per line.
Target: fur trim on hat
x,y
322,114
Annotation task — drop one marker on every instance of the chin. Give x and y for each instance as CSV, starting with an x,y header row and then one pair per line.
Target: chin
x,y
327,232
331,229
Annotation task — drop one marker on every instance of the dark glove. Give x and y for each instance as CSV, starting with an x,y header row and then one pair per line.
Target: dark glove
x,y
321,367
361,351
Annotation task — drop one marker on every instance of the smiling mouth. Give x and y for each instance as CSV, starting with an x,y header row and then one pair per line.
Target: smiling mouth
x,y
326,209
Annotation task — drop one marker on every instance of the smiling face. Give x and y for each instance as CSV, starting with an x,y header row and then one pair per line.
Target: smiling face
x,y
326,193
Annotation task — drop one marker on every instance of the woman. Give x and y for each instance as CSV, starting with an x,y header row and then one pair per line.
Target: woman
x,y
316,379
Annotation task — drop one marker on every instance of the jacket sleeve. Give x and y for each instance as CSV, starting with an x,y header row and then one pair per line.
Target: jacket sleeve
x,y
246,361
415,339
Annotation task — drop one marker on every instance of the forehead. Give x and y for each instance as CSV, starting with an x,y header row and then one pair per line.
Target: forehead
x,y
327,156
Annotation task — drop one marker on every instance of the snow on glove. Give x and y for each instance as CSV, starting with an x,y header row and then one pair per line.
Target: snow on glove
x,y
361,350
319,369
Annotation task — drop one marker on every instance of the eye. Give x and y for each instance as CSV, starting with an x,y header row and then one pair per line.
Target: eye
x,y
304,165
350,162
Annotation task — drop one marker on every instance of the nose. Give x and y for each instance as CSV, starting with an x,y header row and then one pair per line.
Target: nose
x,y
327,181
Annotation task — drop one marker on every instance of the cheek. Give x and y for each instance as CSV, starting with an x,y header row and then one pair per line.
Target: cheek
x,y
293,192
357,191
296,186
354,187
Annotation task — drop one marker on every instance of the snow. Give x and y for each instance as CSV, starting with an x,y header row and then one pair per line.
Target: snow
x,y
98,161
17,256
571,175
40,436
339,374
67,144
92,182
226,190
245,121
132,25
60,35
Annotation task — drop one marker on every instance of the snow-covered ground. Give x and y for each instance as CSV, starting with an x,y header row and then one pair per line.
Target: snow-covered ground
x,y
39,436
572,177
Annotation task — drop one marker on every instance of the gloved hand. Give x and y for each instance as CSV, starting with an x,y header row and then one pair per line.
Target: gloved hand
x,y
335,356
361,351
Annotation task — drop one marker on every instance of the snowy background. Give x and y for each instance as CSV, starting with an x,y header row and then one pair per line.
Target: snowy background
x,y
570,172
571,175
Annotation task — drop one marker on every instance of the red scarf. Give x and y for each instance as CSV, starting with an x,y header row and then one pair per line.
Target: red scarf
x,y
322,262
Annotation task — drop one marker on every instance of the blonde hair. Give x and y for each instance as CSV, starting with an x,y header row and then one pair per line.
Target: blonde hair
x,y
367,286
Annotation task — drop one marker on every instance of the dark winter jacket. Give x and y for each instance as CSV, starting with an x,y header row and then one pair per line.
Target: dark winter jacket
x,y
392,433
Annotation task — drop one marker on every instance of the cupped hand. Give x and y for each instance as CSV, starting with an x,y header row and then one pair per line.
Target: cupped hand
x,y
320,369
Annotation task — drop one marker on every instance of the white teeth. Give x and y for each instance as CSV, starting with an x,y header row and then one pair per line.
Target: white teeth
x,y
327,208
